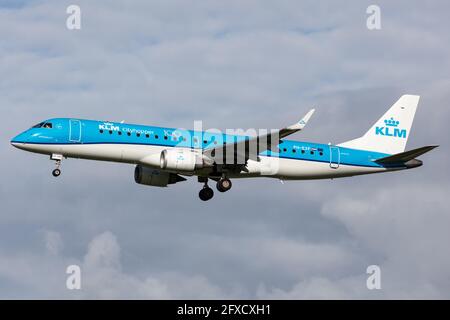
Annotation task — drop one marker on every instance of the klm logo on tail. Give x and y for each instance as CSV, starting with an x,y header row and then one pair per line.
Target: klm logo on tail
x,y
390,129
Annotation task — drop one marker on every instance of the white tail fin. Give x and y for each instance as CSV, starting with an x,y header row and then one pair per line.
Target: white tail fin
x,y
390,133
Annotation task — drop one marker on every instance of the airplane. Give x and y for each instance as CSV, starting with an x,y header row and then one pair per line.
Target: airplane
x,y
165,156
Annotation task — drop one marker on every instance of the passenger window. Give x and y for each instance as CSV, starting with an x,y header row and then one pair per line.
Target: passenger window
x,y
101,131
312,152
138,135
294,151
147,135
156,136
303,151
119,133
128,133
321,153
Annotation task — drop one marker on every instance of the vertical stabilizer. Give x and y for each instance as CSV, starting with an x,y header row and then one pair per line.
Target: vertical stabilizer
x,y
390,133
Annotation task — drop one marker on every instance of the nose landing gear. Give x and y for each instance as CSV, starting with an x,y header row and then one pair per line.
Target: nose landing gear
x,y
56,173
58,158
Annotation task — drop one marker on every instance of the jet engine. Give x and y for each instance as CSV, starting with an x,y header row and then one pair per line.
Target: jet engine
x,y
182,159
155,178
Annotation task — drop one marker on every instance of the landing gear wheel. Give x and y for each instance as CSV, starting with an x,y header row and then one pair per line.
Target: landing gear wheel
x,y
56,172
206,194
223,185
58,158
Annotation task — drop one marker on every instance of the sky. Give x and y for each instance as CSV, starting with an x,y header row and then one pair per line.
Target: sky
x,y
231,64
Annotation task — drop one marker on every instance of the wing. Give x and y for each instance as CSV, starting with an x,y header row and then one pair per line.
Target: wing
x,y
238,152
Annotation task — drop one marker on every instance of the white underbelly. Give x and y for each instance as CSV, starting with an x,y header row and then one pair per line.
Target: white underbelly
x,y
287,169
303,169
107,152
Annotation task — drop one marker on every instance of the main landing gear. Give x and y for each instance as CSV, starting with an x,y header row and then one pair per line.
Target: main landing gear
x,y
58,158
223,185
206,193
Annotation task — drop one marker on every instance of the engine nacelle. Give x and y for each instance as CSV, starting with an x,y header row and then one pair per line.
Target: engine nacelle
x,y
155,178
181,159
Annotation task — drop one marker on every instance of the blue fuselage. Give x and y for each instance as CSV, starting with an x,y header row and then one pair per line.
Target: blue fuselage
x,y
62,131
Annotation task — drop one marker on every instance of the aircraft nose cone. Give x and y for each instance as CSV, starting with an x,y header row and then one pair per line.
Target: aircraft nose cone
x,y
19,140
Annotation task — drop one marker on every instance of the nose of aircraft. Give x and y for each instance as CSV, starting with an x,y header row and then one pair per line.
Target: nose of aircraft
x,y
20,139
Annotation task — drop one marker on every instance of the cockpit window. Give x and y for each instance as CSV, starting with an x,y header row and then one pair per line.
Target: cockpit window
x,y
39,125
46,125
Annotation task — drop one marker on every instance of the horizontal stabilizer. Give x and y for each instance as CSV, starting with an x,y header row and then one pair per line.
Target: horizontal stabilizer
x,y
406,156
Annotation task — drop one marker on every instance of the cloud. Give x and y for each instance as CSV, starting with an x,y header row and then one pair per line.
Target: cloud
x,y
102,276
402,237
53,242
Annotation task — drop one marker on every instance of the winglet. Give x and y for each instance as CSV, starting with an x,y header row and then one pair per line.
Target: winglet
x,y
302,123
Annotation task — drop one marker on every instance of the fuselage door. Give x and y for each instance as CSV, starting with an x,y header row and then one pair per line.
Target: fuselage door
x,y
335,157
74,130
